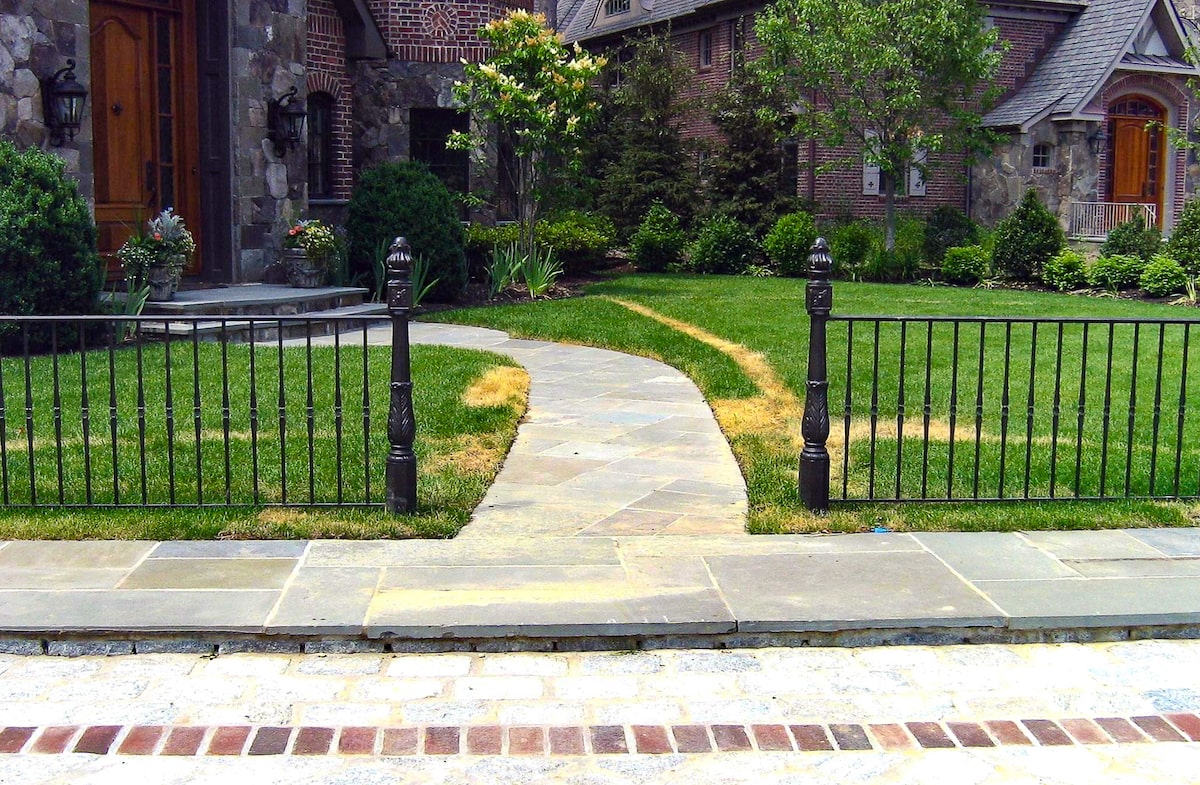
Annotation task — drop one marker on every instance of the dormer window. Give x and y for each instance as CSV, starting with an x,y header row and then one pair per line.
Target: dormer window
x,y
615,7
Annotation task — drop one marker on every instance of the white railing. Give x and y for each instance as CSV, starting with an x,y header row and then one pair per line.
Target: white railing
x,y
1094,220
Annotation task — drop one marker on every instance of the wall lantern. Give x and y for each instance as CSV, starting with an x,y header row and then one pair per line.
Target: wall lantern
x,y
62,104
285,122
1098,140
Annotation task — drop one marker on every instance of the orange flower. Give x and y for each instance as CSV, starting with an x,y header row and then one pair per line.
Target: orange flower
x,y
157,236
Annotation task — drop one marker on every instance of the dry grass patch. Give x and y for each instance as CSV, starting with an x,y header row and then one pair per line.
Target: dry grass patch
x,y
500,386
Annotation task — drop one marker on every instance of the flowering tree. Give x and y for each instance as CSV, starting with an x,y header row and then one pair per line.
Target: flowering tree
x,y
537,94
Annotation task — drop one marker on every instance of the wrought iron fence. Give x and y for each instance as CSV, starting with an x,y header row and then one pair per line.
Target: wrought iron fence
x,y
202,411
941,408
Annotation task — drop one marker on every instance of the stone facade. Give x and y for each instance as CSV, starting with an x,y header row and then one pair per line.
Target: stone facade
x,y
37,37
266,60
1073,173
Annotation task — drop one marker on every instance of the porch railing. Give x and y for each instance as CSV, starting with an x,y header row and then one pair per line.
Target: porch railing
x,y
941,408
1094,220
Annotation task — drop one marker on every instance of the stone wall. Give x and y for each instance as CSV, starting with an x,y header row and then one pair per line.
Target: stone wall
x,y
36,39
999,182
267,60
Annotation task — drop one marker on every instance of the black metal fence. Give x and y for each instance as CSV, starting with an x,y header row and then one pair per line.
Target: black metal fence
x,y
201,411
985,408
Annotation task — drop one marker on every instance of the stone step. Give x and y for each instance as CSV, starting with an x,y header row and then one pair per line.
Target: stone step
x,y
265,328
258,299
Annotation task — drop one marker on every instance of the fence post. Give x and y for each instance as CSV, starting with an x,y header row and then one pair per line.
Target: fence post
x,y
814,457
401,474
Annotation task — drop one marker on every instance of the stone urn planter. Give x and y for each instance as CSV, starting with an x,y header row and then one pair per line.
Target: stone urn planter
x,y
303,272
163,282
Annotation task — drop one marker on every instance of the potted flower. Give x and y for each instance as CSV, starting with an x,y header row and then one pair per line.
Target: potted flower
x,y
309,253
156,256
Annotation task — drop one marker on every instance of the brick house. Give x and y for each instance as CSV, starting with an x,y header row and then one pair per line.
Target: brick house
x,y
181,92
1081,79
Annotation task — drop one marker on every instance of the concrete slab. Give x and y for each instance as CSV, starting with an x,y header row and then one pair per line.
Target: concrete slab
x,y
631,523
1096,603
1110,544
326,601
1135,568
54,578
229,549
993,555
243,573
562,550
135,611
1172,542
847,591
112,554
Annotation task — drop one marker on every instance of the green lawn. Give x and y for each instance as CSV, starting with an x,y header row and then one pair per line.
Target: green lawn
x,y
462,436
767,316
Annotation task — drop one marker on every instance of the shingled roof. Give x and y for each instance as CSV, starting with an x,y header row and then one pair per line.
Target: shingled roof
x,y
579,20
1095,43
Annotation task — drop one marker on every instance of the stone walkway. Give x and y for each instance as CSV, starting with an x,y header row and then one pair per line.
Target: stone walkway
x,y
1075,713
612,445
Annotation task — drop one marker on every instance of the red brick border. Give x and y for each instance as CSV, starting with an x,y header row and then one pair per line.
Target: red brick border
x,y
537,740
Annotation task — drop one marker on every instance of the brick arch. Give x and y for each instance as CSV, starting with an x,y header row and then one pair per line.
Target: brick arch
x,y
325,83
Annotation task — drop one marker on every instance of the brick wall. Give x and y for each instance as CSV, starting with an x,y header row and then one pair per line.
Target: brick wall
x,y
438,32
325,60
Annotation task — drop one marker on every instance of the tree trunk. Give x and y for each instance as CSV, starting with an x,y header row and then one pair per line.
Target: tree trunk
x,y
889,210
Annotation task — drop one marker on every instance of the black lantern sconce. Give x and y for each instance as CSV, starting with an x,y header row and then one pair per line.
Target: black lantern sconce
x,y
1098,140
62,104
285,122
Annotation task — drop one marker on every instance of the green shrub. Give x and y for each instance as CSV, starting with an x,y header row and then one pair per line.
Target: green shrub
x,y
850,243
722,246
947,227
1133,238
1163,276
966,264
1184,243
789,241
1121,271
404,199
658,243
48,259
1064,271
481,240
909,248
580,241
1027,239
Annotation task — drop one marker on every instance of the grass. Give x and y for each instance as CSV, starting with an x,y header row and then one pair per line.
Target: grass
x,y
744,342
467,404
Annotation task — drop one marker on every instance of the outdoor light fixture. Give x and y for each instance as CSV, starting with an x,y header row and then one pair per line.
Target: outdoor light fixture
x,y
1098,139
285,122
62,104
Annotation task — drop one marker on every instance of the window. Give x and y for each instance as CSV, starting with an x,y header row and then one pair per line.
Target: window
x,y
737,42
616,75
320,146
1041,156
429,129
916,177
706,49
703,164
614,7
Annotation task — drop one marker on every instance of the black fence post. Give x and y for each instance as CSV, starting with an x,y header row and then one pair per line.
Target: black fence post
x,y
401,473
814,457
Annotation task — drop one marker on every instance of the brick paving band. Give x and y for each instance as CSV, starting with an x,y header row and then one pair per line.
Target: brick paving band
x,y
524,740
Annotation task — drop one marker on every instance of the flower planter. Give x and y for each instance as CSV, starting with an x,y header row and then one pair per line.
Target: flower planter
x,y
161,282
303,272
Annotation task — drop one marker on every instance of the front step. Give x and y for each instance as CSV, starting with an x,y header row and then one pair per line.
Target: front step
x,y
265,329
257,299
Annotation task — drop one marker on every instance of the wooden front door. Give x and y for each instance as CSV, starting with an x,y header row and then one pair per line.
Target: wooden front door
x,y
1136,152
143,91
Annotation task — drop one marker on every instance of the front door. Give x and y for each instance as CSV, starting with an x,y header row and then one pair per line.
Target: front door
x,y
143,89
1135,128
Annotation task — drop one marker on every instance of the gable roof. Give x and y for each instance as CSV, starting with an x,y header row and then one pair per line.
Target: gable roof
x,y
1097,42
579,20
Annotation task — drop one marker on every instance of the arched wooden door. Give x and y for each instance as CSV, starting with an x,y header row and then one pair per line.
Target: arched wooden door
x,y
1137,147
143,94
